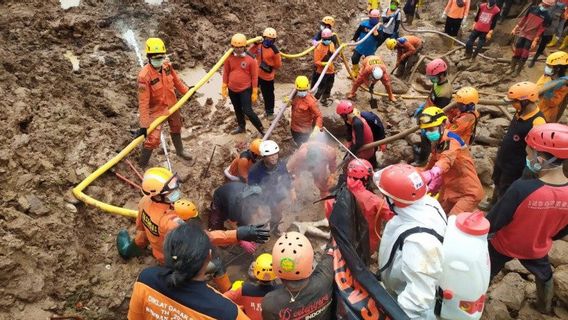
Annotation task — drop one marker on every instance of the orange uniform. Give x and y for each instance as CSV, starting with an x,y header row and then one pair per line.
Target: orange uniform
x,y
156,94
461,189
366,74
550,102
408,48
324,158
240,167
464,124
456,12
322,53
305,114
269,57
240,73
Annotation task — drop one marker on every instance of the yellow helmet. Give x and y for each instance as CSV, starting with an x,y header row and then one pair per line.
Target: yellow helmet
x,y
431,117
302,83
467,95
185,209
263,268
559,58
155,45
239,40
255,146
328,20
269,33
158,180
391,43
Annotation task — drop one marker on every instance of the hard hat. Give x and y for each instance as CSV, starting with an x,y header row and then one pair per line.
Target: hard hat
x,y
359,169
293,257
326,33
302,83
377,73
375,13
525,90
155,45
467,95
436,67
158,180
263,268
269,33
391,43
395,1
431,117
254,146
402,183
238,40
268,148
344,107
402,40
559,58
549,2
550,138
328,20
185,209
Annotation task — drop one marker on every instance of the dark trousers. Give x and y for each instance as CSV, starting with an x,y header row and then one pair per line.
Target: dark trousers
x,y
356,57
522,48
267,89
299,137
452,26
542,45
407,64
505,6
539,267
382,38
243,107
424,150
502,181
324,89
472,37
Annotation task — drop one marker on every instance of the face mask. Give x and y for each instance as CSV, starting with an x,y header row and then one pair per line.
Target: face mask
x,y
393,7
491,3
157,63
239,54
548,70
433,135
268,42
326,42
434,79
374,21
302,94
173,196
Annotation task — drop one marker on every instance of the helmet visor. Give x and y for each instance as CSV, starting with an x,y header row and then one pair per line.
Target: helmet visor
x,y
425,119
171,184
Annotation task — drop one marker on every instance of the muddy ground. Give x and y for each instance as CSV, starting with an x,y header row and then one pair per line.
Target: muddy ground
x,y
62,121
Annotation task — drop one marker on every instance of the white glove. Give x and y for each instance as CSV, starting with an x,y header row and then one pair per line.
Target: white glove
x,y
443,16
464,21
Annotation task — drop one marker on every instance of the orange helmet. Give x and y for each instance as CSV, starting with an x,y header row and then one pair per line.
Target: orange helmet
x,y
402,183
525,90
185,209
254,146
467,95
328,20
293,257
269,33
239,40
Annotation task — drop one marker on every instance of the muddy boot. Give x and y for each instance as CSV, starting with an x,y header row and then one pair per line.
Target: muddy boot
x,y
474,55
564,43
223,283
552,42
409,19
533,61
261,131
145,155
176,139
468,53
520,67
238,130
355,71
513,65
544,294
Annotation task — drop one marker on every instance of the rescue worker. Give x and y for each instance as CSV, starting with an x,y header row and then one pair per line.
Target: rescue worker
x,y
410,10
455,13
407,53
239,168
240,84
272,176
369,46
528,32
410,253
373,4
373,69
463,118
305,114
391,22
249,295
269,60
485,21
553,100
533,212
179,287
359,132
327,22
318,159
307,292
323,51
450,171
556,25
511,154
157,86
558,34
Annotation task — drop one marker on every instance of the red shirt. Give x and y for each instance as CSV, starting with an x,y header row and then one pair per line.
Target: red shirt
x,y
240,73
485,19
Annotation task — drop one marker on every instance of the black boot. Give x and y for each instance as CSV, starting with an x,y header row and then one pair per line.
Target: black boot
x,y
468,53
238,130
544,294
532,62
145,155
176,139
513,65
520,67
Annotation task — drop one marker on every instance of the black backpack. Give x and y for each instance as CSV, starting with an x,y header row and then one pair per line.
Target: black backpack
x,y
375,123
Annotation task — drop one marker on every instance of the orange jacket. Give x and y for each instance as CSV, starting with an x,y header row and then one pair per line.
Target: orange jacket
x,y
322,53
240,73
240,167
305,114
408,48
551,101
326,163
464,125
156,92
366,73
271,58
454,11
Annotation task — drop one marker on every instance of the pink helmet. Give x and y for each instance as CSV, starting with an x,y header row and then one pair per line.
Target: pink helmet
x,y
551,138
359,169
344,107
375,13
436,67
549,3
326,33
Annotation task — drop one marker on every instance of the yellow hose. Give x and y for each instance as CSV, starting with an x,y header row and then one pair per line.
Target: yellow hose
x,y
297,55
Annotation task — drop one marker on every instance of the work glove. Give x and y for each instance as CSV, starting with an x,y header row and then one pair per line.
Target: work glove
x,y
237,285
489,35
324,63
376,32
225,90
383,147
142,132
534,43
433,179
256,233
314,42
515,29
418,111
249,247
254,96
275,49
444,15
434,185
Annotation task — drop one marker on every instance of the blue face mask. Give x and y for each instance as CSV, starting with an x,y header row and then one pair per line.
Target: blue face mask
x,y
374,21
543,8
434,79
326,42
433,135
268,42
530,166
173,196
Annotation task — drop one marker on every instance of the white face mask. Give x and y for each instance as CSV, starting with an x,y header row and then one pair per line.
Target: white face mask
x,y
157,63
302,94
548,70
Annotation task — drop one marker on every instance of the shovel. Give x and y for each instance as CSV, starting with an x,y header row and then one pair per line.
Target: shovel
x,y
373,101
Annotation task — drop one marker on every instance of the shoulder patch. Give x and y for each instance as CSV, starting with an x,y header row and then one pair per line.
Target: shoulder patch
x,y
154,81
149,224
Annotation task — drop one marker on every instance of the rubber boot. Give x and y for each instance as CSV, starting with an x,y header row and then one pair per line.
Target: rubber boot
x,y
127,248
468,53
474,55
238,130
564,43
409,19
520,67
533,61
178,144
223,283
355,71
553,42
544,294
145,155
514,62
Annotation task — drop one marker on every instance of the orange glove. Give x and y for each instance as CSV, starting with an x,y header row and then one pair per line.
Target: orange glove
x,y
225,90
534,43
514,31
254,95
489,35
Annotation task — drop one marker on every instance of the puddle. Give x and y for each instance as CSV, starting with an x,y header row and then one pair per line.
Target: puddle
x,y
133,44
74,60
154,2
211,89
66,4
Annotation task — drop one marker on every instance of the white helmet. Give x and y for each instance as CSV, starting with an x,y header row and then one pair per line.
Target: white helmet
x,y
268,148
377,73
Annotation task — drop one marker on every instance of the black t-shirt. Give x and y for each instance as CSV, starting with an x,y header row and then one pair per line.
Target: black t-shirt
x,y
227,199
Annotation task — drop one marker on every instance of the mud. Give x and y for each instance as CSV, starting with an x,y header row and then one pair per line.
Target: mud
x,y
68,78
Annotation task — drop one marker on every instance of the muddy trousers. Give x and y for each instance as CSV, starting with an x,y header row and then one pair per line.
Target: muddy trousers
x,y
472,37
243,107
522,48
541,46
540,268
267,90
324,89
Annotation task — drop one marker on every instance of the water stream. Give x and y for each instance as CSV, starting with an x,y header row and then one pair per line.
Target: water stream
x,y
131,39
66,4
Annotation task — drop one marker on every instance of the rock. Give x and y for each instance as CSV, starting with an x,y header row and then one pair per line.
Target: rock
x,y
559,254
71,208
561,283
335,125
561,313
232,18
495,310
493,111
24,203
530,290
483,165
515,266
497,127
70,198
398,86
510,291
20,141
36,205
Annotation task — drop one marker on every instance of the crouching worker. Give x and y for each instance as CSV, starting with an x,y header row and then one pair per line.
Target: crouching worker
x,y
359,133
463,118
373,69
239,168
316,158
407,53
179,287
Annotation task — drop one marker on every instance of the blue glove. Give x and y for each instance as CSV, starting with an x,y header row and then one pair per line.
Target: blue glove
x,y
419,110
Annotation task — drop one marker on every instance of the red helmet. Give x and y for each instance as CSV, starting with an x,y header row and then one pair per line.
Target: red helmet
x,y
402,183
436,67
344,107
550,138
359,169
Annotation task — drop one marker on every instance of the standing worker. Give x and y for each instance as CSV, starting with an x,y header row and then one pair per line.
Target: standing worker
x,y
322,53
391,22
359,132
464,117
407,53
485,21
455,13
269,60
533,212
239,168
327,22
410,10
240,83
553,100
373,70
556,26
157,86
369,46
305,114
450,171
